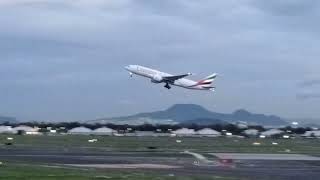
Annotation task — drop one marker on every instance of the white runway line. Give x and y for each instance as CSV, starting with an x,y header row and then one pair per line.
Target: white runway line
x,y
255,156
125,166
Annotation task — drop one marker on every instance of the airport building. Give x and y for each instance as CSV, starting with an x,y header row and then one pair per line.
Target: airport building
x,y
103,131
312,134
272,133
184,132
26,130
6,130
80,131
251,132
207,132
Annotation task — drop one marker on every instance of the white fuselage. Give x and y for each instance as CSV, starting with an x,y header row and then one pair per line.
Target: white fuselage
x,y
152,74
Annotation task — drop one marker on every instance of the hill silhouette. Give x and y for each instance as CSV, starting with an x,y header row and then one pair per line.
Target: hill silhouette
x,y
183,113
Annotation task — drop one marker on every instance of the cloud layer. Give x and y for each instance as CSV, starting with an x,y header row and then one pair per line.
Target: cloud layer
x,y
64,59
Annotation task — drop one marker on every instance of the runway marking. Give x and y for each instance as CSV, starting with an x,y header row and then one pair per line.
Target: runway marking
x,y
256,156
125,166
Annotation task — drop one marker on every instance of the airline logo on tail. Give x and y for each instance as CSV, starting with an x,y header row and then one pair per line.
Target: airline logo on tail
x,y
206,83
208,80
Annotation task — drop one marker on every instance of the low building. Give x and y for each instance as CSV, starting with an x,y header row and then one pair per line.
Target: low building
x,y
104,131
6,130
26,130
242,124
272,133
311,134
251,132
207,132
184,132
80,131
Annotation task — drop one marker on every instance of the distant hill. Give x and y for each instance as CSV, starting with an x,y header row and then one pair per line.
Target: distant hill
x,y
191,113
4,119
312,125
204,121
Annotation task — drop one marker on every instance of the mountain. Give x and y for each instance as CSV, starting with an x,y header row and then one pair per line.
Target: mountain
x,y
4,119
191,113
179,113
204,121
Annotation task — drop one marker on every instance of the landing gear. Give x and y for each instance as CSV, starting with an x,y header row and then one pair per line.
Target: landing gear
x,y
167,86
131,74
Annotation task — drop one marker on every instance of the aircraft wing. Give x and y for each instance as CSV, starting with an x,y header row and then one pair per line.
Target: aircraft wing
x,y
174,78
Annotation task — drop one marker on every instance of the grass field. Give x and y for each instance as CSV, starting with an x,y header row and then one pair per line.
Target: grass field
x,y
26,169
36,172
165,144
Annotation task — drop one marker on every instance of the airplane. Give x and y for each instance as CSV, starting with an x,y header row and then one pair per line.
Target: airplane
x,y
174,80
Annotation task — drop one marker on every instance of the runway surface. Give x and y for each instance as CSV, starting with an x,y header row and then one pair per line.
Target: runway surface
x,y
243,166
254,156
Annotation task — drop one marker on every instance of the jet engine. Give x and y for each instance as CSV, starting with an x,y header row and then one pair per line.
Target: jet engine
x,y
156,79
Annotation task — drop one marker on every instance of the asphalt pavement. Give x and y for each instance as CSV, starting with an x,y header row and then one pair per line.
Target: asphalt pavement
x,y
244,166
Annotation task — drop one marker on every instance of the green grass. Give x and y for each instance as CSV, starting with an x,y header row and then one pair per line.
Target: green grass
x,y
37,172
164,144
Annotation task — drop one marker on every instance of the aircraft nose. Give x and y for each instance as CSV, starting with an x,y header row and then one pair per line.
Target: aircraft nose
x,y
127,68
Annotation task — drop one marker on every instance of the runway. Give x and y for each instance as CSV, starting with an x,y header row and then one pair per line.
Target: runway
x,y
255,156
266,167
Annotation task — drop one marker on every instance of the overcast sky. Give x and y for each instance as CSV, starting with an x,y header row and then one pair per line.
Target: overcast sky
x,y
64,59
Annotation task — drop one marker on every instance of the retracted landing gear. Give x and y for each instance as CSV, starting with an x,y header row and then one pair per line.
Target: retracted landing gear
x,y
167,86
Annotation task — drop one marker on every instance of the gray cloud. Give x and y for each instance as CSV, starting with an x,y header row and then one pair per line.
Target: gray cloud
x,y
309,83
308,96
288,7
64,59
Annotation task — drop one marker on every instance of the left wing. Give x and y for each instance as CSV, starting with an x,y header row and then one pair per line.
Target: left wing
x,y
174,78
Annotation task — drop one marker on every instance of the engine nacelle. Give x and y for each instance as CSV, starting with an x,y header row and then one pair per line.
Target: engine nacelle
x,y
157,79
